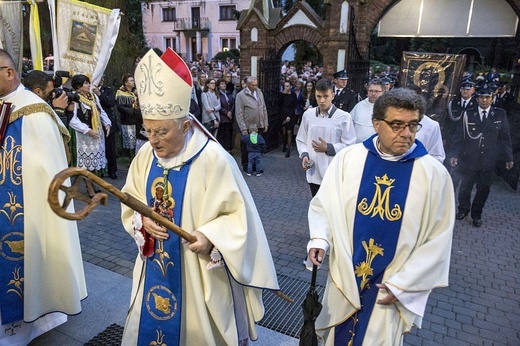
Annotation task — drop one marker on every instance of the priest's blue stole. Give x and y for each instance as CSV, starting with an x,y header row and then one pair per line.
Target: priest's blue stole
x,y
11,225
377,223
162,300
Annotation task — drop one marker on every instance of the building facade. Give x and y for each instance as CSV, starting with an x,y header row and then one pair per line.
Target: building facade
x,y
194,29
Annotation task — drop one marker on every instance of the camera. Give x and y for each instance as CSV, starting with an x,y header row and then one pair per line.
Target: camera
x,y
57,78
72,96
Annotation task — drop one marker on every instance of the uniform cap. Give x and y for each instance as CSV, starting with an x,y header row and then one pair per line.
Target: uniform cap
x,y
341,74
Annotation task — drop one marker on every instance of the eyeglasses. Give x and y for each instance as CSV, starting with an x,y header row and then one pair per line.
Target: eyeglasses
x,y
161,134
399,126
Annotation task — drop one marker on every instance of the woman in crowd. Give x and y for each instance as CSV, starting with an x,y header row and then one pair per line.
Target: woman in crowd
x,y
309,98
227,106
128,107
211,106
287,102
88,121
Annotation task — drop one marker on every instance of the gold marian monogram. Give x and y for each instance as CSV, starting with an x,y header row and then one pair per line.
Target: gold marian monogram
x,y
380,204
164,258
364,269
10,165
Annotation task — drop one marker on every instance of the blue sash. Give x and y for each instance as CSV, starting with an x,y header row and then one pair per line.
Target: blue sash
x,y
377,223
11,225
162,299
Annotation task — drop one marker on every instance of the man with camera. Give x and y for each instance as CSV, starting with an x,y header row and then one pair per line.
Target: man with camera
x,y
43,85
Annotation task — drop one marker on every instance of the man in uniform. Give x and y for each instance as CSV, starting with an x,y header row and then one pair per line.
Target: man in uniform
x,y
386,212
41,269
324,131
344,98
208,292
482,138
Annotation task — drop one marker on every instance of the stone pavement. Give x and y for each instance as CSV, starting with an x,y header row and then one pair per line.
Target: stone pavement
x,y
480,307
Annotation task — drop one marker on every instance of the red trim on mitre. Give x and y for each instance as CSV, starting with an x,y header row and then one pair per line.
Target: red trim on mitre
x,y
175,62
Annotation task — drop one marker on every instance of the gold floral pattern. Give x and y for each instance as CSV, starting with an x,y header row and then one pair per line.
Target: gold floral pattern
x,y
364,269
159,341
17,282
163,261
11,208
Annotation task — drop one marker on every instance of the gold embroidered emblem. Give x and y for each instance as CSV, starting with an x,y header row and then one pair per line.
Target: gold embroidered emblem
x,y
16,281
364,269
15,246
10,162
380,204
159,341
162,304
11,207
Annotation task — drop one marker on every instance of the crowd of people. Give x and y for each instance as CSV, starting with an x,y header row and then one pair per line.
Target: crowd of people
x,y
373,160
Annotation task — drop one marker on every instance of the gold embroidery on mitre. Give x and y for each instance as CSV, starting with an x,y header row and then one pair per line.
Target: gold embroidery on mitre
x,y
380,204
151,82
364,269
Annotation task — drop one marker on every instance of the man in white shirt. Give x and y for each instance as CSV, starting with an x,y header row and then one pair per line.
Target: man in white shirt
x,y
362,112
324,131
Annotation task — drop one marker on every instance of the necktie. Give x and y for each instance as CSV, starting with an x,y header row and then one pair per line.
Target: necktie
x,y
337,92
484,117
464,104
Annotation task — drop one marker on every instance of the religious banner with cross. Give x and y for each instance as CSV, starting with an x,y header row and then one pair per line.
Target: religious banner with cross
x,y
438,76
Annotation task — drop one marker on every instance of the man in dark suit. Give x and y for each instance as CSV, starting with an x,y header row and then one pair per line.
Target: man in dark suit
x,y
344,99
477,143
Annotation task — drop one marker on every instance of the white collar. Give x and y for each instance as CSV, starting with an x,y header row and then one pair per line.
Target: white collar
x,y
390,157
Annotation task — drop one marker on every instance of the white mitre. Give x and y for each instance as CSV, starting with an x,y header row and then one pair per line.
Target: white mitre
x,y
163,85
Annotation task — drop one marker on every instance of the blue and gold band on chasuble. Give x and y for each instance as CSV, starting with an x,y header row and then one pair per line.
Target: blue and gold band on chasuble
x,y
377,224
162,300
11,225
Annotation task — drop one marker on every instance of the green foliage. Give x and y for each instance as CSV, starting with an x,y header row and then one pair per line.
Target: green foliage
x,y
232,53
306,51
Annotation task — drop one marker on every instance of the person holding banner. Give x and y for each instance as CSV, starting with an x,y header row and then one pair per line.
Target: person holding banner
x,y
41,269
88,121
208,292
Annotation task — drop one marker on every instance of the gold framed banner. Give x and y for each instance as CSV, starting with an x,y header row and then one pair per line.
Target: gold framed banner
x,y
438,76
85,35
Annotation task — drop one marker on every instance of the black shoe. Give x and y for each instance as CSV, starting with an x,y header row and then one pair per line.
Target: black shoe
x,y
460,215
284,148
477,222
288,153
113,176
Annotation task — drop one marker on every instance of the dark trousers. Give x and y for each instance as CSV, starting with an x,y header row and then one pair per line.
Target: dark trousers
x,y
224,135
111,153
243,151
254,159
483,181
314,189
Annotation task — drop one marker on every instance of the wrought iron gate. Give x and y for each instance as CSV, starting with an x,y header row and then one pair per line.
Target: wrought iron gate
x,y
269,83
358,64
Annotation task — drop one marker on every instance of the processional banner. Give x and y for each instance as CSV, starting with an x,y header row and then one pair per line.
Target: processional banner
x,y
438,76
11,28
85,36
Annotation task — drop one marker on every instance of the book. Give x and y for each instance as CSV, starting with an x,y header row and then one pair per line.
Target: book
x,y
5,111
